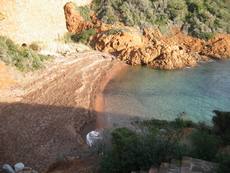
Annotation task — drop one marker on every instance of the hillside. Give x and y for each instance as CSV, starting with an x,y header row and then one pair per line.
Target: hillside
x,y
199,18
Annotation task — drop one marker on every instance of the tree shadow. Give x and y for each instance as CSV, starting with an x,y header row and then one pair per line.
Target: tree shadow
x,y
42,135
38,135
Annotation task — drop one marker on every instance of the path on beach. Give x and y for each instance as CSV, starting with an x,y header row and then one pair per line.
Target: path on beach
x,y
46,124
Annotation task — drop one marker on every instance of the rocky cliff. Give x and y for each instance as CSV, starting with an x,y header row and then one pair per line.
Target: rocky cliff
x,y
148,46
26,21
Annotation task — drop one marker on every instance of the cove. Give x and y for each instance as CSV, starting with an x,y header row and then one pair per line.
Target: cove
x,y
141,92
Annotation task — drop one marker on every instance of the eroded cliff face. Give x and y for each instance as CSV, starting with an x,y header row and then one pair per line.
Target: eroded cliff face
x,y
76,23
27,21
148,46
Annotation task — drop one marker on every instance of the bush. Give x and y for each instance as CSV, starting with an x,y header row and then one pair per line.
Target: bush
x,y
204,17
204,146
132,152
177,9
84,36
224,164
23,58
84,12
221,125
158,141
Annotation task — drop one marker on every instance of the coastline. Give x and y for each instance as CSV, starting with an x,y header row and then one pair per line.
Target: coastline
x,y
99,102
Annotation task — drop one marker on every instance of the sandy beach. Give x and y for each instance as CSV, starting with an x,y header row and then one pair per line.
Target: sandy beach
x,y
47,118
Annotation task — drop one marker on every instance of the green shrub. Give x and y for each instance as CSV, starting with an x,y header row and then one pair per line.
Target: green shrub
x,y
224,164
131,151
221,123
84,12
158,141
204,146
177,9
23,58
195,6
84,36
203,17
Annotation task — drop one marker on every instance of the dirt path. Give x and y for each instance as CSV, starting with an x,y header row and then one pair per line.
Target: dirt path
x,y
47,122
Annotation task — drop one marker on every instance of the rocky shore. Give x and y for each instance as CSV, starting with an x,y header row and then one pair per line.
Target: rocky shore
x,y
45,116
148,46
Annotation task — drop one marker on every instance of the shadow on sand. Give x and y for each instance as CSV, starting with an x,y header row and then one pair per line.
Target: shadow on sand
x,y
37,135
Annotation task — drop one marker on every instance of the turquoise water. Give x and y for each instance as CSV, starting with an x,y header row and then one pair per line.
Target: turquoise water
x,y
147,93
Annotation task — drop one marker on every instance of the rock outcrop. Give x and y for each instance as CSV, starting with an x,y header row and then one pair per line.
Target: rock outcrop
x,y
75,23
148,46
218,47
116,40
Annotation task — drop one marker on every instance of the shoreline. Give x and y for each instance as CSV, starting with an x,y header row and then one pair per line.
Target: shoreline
x,y
99,102
58,105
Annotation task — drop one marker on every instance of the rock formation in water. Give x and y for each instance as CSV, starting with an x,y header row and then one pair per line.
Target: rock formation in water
x,y
218,47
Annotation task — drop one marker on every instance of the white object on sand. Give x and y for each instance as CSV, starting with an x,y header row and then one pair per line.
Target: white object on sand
x,y
93,137
19,167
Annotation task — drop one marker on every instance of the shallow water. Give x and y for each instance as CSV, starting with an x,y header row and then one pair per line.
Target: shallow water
x,y
147,93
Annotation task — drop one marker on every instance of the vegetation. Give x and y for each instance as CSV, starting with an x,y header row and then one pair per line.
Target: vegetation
x,y
221,125
84,12
84,36
132,151
23,58
224,163
156,141
200,18
204,145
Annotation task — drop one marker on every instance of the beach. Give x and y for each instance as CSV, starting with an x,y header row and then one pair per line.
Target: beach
x,y
47,118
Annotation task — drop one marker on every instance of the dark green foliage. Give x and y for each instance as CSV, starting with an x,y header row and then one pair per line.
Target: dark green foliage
x,y
178,123
23,58
158,141
204,146
84,37
131,151
222,125
203,17
224,164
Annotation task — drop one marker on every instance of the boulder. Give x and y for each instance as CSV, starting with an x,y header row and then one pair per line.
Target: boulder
x,y
173,57
116,40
